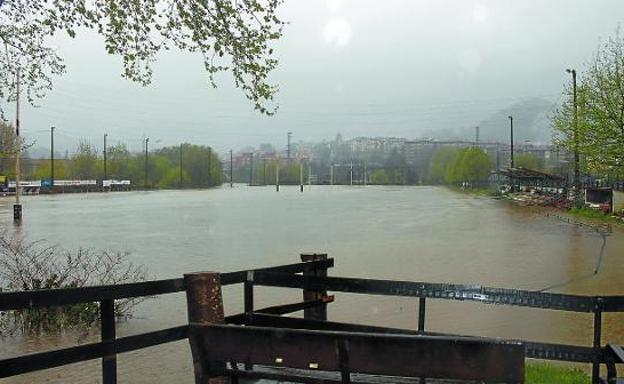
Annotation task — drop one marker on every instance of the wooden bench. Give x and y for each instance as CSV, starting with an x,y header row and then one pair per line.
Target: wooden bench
x,y
308,356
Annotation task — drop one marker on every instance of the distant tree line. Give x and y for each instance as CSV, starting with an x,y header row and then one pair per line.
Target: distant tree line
x,y
183,166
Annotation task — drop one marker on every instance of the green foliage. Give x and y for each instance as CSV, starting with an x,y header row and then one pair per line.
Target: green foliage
x,y
84,162
543,373
600,97
440,160
234,36
454,166
163,166
289,172
43,171
380,177
527,160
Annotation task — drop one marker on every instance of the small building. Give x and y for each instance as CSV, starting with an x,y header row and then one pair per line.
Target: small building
x,y
525,178
605,199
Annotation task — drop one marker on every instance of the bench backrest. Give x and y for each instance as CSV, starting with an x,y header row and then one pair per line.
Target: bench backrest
x,y
457,358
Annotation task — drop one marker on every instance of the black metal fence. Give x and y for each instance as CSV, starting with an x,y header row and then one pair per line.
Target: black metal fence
x,y
315,285
110,346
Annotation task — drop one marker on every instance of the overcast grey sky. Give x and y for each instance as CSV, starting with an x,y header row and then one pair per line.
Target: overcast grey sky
x,y
358,67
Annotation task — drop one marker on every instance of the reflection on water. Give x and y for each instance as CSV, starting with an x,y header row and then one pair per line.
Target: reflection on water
x,y
410,233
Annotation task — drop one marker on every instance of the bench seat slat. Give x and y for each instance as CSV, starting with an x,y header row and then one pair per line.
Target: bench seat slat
x,y
464,358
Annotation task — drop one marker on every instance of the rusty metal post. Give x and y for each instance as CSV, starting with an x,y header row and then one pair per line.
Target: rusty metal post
x,y
319,312
205,306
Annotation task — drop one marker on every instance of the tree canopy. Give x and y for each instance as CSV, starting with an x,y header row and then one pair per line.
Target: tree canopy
x,y
600,106
229,35
452,165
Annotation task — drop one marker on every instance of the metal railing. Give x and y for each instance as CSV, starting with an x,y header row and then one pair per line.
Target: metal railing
x,y
315,285
110,346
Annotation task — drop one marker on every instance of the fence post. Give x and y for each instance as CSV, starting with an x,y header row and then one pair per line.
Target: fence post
x,y
421,314
597,339
249,295
318,312
107,333
248,300
204,306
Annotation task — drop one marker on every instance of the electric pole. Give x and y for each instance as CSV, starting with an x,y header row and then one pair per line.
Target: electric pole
x,y
477,135
105,169
231,170
277,175
180,184
577,171
301,175
146,152
17,208
209,166
288,146
251,169
351,174
52,156
264,170
511,140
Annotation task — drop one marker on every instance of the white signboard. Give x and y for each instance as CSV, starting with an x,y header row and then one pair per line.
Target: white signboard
x,y
109,183
75,183
26,184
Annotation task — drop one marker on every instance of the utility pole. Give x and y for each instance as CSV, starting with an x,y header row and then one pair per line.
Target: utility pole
x,y
309,173
180,184
511,150
146,152
209,166
301,175
511,140
477,135
577,171
231,170
105,169
351,174
251,169
264,170
277,175
17,207
331,174
52,156
288,146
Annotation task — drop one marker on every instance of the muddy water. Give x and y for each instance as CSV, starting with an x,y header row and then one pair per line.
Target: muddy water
x,y
411,233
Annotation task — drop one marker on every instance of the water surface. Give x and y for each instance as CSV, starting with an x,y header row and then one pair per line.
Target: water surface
x,y
410,233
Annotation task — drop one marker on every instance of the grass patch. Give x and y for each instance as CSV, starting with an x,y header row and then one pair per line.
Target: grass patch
x,y
544,373
594,215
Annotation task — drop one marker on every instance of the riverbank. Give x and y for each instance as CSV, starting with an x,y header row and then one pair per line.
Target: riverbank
x,y
585,215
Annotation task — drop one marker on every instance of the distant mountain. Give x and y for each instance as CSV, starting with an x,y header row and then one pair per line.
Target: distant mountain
x,y
531,122
530,118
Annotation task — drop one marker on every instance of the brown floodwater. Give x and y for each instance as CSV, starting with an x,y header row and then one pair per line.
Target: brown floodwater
x,y
409,233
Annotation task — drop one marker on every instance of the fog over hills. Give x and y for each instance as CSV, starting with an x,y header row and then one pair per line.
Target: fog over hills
x,y
531,123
